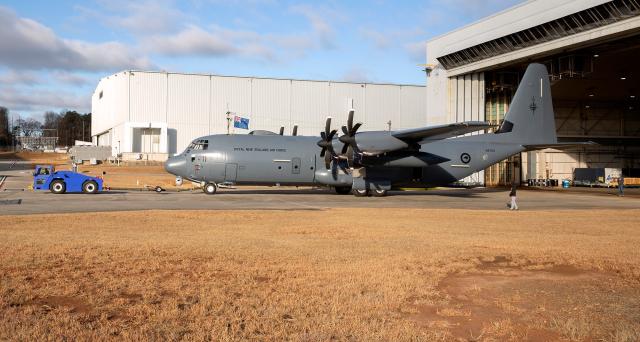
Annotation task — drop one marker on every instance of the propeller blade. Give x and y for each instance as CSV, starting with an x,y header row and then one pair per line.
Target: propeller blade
x,y
327,160
322,152
295,130
345,131
323,135
327,126
281,130
355,128
344,148
350,119
331,134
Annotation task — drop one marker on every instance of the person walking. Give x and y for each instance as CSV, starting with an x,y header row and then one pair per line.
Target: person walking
x,y
621,186
512,194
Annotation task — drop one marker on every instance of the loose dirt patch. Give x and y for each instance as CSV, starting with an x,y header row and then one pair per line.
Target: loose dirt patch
x,y
552,303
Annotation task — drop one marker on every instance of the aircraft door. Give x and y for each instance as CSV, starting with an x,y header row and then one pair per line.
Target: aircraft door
x,y
230,172
296,163
195,166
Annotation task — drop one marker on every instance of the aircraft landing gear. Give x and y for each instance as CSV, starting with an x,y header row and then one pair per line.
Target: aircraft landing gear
x,y
379,193
210,188
343,190
360,192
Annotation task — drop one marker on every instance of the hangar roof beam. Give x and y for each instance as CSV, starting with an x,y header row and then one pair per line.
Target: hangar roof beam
x,y
581,21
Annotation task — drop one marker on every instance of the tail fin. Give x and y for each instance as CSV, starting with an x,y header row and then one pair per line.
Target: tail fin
x,y
530,119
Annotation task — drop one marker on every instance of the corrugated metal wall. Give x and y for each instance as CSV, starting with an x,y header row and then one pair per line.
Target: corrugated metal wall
x,y
467,103
196,105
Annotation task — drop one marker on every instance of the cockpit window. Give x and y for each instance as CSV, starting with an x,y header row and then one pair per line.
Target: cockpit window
x,y
196,145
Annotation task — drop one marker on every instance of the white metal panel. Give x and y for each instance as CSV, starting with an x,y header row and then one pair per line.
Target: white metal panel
x,y
342,96
460,99
231,94
117,140
188,99
270,104
118,97
309,106
452,104
148,92
468,95
183,134
98,123
413,108
383,105
481,98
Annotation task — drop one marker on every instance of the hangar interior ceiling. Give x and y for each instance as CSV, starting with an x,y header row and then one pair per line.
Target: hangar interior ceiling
x,y
596,97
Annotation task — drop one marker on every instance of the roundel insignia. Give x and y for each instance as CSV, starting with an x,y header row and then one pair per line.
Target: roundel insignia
x,y
465,158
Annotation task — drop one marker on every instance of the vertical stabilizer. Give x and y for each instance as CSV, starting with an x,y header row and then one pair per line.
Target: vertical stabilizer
x,y
530,119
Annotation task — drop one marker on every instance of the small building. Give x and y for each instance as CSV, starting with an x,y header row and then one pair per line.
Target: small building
x,y
150,115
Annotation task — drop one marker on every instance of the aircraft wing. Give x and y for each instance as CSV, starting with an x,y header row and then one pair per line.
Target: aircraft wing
x,y
441,131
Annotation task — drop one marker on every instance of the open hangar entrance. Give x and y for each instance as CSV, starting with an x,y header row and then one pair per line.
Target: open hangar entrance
x,y
596,97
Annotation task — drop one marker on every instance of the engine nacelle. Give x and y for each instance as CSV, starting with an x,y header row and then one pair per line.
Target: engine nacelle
x,y
377,142
326,177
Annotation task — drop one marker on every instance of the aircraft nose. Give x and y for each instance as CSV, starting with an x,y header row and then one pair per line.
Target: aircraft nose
x,y
175,165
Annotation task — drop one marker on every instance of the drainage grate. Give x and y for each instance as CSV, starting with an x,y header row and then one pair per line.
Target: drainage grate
x,y
9,202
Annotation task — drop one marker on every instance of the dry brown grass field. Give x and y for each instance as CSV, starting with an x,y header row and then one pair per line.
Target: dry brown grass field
x,y
339,274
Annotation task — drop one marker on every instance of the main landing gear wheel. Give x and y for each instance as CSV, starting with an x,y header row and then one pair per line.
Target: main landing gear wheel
x,y
210,188
360,192
343,190
90,187
379,193
58,187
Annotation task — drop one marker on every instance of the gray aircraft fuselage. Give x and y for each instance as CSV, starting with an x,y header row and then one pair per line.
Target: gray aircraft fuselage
x,y
295,160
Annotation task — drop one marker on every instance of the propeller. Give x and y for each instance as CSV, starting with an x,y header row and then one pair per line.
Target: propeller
x,y
349,138
326,143
295,130
281,130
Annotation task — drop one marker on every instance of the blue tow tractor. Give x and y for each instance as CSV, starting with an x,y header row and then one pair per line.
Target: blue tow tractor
x,y
46,178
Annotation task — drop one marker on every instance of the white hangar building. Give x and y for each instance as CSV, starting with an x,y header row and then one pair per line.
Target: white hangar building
x,y
151,115
591,49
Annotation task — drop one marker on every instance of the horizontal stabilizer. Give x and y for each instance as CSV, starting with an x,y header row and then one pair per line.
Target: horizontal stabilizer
x,y
441,131
560,146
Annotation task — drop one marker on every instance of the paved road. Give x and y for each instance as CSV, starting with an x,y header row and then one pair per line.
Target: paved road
x,y
291,199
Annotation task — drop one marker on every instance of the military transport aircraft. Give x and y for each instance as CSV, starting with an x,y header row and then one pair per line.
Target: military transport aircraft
x,y
371,163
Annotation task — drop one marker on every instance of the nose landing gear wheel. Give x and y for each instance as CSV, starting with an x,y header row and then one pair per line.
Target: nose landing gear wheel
x,y
360,192
210,188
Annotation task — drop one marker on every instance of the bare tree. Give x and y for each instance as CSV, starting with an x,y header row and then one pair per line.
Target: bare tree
x,y
29,127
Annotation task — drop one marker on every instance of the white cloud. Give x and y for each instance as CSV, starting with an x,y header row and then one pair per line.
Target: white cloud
x,y
356,75
13,77
192,40
137,17
27,44
317,17
70,78
33,100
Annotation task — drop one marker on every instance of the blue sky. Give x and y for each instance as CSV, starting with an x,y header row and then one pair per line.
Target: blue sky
x,y
53,53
